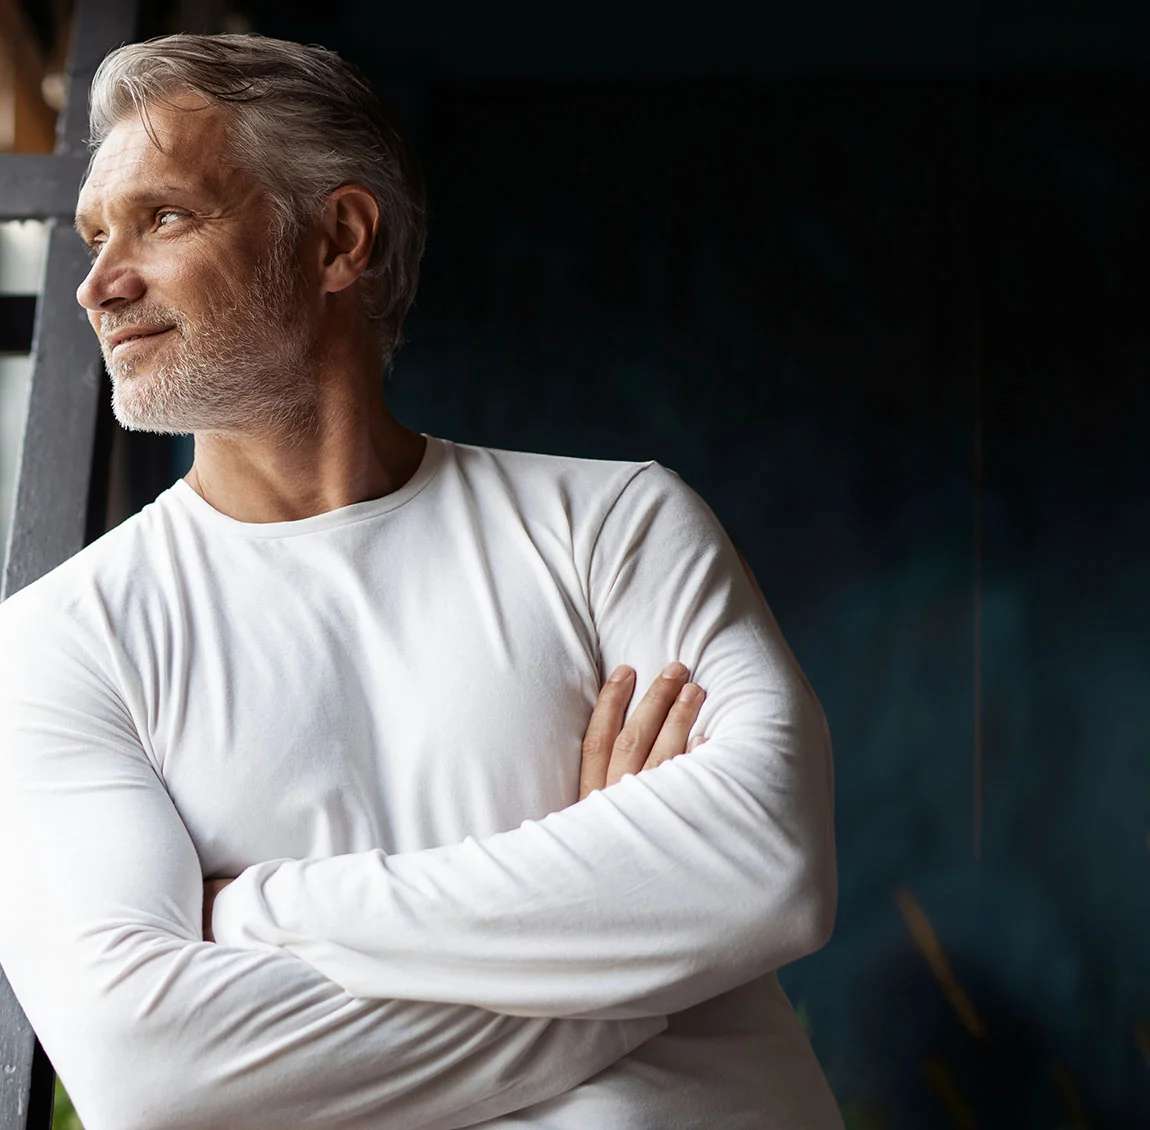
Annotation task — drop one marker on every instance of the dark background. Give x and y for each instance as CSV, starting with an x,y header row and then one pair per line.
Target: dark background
x,y
873,279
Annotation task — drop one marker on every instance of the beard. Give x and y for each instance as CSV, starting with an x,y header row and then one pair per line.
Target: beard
x,y
244,368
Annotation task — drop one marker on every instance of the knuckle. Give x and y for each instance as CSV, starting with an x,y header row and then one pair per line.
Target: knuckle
x,y
663,690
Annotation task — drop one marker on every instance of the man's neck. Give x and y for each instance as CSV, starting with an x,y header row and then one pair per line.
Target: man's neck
x,y
352,450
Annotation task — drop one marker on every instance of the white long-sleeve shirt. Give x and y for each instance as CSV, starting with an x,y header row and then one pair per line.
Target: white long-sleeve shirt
x,y
373,717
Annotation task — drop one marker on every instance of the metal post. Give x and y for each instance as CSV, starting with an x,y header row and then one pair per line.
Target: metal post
x,y
54,471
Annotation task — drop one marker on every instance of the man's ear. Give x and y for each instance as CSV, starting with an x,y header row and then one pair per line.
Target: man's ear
x,y
348,226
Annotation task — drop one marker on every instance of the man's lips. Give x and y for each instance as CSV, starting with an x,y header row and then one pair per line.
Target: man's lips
x,y
132,335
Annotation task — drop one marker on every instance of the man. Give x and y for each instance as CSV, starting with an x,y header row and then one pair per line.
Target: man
x,y
341,673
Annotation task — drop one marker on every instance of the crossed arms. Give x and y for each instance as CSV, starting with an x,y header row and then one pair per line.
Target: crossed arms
x,y
431,981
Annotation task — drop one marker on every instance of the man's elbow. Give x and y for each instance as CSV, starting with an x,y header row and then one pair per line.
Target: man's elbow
x,y
814,872
819,917
799,919
815,900
132,1074
114,1094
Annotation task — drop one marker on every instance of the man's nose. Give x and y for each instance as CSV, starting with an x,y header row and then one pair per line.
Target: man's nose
x,y
111,280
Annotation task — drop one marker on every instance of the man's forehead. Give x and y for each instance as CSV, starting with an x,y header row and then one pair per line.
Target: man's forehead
x,y
184,154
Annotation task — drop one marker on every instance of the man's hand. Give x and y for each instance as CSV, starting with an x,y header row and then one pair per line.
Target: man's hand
x,y
657,730
212,887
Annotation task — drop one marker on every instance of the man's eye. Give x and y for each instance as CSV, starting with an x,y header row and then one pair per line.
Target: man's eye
x,y
94,248
167,214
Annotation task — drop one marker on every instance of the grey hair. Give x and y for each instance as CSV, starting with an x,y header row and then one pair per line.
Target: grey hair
x,y
303,122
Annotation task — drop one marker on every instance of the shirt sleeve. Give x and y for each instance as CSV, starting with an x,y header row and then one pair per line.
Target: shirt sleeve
x,y
151,1027
661,891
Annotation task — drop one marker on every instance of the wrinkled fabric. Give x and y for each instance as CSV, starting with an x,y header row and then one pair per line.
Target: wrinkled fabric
x,y
373,718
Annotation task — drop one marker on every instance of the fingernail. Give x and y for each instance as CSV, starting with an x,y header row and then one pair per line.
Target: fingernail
x,y
621,674
695,742
690,692
674,670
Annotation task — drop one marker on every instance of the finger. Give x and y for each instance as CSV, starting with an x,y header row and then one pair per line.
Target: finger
x,y
636,739
695,742
676,730
603,728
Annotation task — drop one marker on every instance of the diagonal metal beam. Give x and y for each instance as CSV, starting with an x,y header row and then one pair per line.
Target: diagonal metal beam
x,y
55,459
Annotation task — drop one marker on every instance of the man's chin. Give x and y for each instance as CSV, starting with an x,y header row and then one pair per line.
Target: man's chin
x,y
139,406
157,425
138,409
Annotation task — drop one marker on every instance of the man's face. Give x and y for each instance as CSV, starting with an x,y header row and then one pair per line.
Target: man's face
x,y
203,322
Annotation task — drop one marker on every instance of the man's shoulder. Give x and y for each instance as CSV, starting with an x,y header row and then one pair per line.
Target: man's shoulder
x,y
549,465
112,564
577,484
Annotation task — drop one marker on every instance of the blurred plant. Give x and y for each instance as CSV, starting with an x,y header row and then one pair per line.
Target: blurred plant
x,y
65,1117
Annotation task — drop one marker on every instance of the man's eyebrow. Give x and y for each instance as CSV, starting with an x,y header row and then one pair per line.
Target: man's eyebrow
x,y
152,195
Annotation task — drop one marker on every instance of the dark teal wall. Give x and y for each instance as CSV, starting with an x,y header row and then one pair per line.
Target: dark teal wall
x,y
801,289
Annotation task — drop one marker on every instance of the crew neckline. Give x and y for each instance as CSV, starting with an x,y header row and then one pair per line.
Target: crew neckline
x,y
187,496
